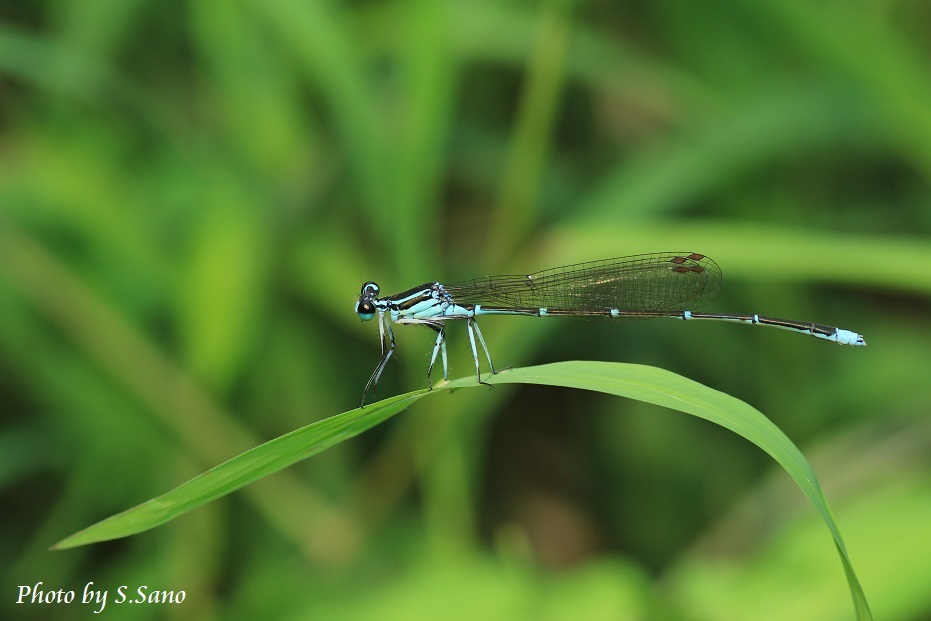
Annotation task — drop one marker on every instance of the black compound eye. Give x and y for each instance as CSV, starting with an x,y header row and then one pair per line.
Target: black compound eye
x,y
366,310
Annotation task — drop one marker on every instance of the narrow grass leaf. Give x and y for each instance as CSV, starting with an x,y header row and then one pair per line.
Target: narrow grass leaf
x,y
261,461
647,384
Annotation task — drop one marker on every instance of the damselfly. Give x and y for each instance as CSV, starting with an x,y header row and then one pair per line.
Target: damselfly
x,y
636,287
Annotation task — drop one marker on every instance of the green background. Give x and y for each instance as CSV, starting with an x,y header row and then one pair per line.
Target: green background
x,y
191,195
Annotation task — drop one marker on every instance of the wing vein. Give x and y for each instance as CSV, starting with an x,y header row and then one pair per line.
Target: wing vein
x,y
647,283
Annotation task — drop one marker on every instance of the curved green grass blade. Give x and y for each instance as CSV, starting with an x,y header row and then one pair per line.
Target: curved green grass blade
x,y
261,461
648,384
661,387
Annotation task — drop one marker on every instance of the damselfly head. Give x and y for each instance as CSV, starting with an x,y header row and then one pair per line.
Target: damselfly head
x,y
369,291
365,307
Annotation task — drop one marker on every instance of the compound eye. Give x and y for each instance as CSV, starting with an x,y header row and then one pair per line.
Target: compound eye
x,y
366,310
369,290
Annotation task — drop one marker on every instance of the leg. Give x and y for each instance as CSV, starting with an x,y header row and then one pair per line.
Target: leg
x,y
387,349
473,328
445,366
437,347
481,340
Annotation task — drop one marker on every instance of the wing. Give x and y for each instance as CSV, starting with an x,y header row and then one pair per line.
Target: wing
x,y
646,283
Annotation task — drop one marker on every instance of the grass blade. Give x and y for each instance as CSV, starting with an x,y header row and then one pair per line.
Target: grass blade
x,y
261,461
648,384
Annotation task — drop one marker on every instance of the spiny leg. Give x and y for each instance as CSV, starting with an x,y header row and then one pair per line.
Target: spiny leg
x,y
387,349
381,332
473,328
445,366
481,340
440,345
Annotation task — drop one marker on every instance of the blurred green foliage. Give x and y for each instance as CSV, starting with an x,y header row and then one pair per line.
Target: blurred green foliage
x,y
191,195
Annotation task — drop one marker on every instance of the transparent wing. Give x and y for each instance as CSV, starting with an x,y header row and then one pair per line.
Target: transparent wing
x,y
646,283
